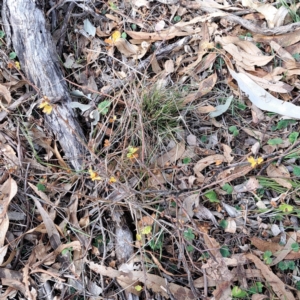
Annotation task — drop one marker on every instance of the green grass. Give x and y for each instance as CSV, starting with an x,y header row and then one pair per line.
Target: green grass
x,y
161,110
293,13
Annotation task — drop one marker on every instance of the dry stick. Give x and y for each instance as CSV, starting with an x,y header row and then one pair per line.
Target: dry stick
x,y
27,220
245,23
286,152
63,31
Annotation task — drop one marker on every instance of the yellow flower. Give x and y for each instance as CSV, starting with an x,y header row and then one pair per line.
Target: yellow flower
x,y
17,65
46,106
114,37
146,230
114,118
138,288
112,180
254,162
138,237
94,175
132,152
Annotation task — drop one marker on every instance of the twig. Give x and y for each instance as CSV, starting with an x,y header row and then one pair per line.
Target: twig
x,y
245,23
63,31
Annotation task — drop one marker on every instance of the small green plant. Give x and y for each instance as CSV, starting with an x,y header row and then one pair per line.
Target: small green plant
x,y
286,208
103,107
124,35
12,55
220,63
212,196
267,257
296,56
113,5
237,292
186,160
156,242
286,265
233,130
293,137
296,171
205,256
256,288
133,27
177,19
282,124
223,223
295,247
224,250
203,139
297,285
41,187
227,188
274,142
189,236
2,34
98,241
241,106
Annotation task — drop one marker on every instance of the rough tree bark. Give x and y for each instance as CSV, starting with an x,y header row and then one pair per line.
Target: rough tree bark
x,y
26,31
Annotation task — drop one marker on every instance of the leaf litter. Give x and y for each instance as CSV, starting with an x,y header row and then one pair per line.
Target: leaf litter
x,y
191,189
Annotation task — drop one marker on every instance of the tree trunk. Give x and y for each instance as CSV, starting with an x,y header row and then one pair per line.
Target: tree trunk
x,y
32,42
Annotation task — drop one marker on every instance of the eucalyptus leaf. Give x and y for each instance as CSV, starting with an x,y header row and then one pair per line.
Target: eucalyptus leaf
x,y
96,116
82,107
78,93
89,27
220,109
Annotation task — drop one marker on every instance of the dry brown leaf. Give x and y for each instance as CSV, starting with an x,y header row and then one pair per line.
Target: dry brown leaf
x,y
223,291
233,173
283,40
41,194
227,152
256,134
171,156
242,58
281,171
188,205
169,66
167,34
52,255
282,254
155,65
278,87
249,273
53,234
7,191
277,285
283,54
250,185
156,283
5,93
205,162
157,179
94,51
11,161
275,17
16,284
231,225
205,109
259,297
203,213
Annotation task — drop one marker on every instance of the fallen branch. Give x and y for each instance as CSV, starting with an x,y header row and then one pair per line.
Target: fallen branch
x,y
26,29
238,20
